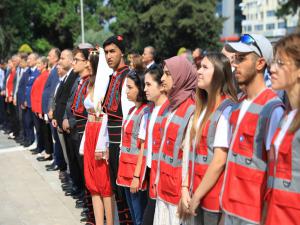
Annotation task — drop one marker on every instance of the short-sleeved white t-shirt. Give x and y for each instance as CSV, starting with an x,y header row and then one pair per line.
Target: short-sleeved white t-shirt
x,y
153,117
287,123
274,121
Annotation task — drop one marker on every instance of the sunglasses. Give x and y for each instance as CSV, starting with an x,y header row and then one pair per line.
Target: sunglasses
x,y
249,40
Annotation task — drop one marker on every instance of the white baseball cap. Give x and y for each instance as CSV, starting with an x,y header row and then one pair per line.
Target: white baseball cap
x,y
253,43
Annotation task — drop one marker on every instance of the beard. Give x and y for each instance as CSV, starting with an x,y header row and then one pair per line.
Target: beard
x,y
245,79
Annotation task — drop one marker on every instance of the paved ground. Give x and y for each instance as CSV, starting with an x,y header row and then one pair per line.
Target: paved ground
x,y
30,195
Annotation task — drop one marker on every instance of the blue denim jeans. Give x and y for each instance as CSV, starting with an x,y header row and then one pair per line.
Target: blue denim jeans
x,y
137,203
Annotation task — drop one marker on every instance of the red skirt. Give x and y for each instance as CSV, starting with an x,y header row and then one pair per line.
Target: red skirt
x,y
96,172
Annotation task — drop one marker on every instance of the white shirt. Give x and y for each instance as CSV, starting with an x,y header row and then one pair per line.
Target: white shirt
x,y
153,117
287,123
150,64
2,76
222,135
59,83
274,121
125,103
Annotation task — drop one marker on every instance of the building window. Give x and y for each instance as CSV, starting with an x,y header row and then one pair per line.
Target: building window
x,y
249,28
270,13
281,25
258,27
270,26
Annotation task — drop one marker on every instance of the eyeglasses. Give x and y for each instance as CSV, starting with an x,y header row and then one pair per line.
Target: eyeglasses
x,y
279,63
249,40
94,52
75,60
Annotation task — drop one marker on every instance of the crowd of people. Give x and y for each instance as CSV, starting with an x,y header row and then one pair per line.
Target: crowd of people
x,y
207,139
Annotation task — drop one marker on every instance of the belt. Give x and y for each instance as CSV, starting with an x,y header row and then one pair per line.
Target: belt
x,y
94,118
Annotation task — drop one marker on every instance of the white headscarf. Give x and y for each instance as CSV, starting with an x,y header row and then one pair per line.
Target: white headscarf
x,y
101,82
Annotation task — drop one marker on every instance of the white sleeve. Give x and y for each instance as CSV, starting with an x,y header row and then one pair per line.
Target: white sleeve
x,y
103,136
143,124
222,136
126,104
186,150
277,114
81,147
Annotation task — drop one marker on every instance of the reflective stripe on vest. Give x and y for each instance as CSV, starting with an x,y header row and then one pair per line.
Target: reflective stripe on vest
x,y
200,160
130,148
168,178
156,140
246,161
284,199
131,132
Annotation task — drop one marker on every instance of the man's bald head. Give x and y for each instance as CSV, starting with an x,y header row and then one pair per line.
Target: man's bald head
x,y
66,59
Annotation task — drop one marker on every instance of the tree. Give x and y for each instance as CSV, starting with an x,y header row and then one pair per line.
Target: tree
x,y
45,23
290,7
167,24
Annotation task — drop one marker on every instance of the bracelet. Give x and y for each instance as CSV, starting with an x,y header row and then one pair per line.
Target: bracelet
x,y
136,176
184,186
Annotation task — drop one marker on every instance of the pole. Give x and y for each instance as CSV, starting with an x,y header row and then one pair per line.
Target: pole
x,y
82,21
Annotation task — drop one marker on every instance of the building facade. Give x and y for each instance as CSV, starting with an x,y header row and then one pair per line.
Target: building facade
x,y
260,17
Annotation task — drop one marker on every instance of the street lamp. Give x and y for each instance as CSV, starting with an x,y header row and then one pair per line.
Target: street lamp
x,y
82,21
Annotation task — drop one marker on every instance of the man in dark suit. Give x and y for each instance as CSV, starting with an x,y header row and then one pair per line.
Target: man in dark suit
x,y
149,56
24,91
62,94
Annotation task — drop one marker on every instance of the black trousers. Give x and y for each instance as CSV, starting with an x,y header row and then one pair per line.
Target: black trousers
x,y
28,125
47,136
13,119
114,131
75,160
39,133
2,110
150,208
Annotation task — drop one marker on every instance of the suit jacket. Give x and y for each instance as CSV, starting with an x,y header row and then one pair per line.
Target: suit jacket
x,y
33,75
22,87
49,89
61,97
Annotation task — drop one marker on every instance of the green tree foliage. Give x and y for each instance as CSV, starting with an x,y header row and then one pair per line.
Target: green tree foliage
x,y
290,7
167,24
44,23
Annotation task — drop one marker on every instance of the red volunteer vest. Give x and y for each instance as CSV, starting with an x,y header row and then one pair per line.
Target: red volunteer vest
x,y
170,158
201,157
130,148
10,83
37,92
156,141
284,199
245,175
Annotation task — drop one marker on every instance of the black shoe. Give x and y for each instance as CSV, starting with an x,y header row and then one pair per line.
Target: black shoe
x,y
50,165
79,204
54,168
34,150
74,192
79,196
7,131
27,144
42,158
